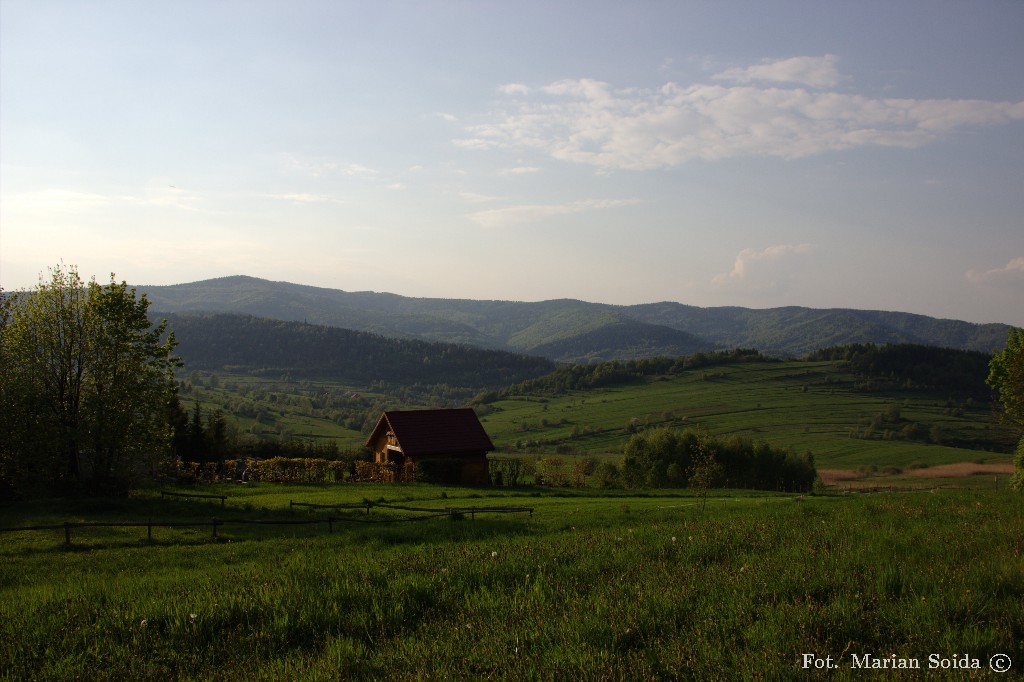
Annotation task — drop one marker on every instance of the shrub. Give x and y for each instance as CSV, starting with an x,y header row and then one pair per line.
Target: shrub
x,y
666,457
606,474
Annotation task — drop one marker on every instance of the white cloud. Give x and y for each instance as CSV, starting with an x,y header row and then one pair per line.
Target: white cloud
x,y
1011,274
318,167
521,170
57,199
530,213
770,271
514,89
587,121
816,72
304,198
476,198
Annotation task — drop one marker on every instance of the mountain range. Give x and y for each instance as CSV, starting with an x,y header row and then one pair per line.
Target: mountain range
x,y
570,330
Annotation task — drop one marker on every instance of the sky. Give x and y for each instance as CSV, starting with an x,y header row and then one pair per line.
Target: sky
x,y
827,154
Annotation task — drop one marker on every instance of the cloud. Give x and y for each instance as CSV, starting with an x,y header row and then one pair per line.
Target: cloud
x,y
156,193
57,199
816,72
531,213
521,170
318,167
1010,275
770,271
514,89
303,198
476,198
590,122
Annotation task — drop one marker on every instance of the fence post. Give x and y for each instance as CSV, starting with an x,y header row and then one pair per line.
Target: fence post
x,y
67,533
330,524
149,531
214,526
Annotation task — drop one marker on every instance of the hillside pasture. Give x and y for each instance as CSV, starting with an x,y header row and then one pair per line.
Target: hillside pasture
x,y
816,406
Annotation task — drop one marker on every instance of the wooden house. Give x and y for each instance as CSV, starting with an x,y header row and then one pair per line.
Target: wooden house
x,y
443,445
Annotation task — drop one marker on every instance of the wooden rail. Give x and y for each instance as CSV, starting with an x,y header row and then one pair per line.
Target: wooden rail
x,y
164,493
215,523
446,511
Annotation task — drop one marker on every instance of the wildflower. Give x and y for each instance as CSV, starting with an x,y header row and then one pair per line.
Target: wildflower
x,y
142,623
673,538
494,555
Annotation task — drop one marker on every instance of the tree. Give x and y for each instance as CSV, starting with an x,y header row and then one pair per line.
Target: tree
x,y
1006,376
706,472
91,377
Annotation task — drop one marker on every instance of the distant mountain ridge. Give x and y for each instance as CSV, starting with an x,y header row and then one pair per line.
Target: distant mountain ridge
x,y
570,330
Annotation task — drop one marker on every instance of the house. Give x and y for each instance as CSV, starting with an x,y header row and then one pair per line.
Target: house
x,y
442,445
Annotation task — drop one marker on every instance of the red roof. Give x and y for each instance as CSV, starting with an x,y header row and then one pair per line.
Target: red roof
x,y
435,432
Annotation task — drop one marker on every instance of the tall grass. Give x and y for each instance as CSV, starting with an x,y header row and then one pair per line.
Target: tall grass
x,y
591,588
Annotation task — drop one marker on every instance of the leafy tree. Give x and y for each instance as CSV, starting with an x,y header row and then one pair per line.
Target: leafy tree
x,y
706,472
90,377
1006,375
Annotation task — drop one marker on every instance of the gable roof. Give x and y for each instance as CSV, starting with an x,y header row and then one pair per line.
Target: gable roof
x,y
434,432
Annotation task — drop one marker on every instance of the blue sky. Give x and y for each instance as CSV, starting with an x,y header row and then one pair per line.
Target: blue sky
x,y
841,154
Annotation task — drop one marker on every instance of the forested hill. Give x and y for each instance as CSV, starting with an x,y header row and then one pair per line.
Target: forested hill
x,y
265,346
575,331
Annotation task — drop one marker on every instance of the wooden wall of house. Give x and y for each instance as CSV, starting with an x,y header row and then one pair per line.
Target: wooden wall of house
x,y
476,472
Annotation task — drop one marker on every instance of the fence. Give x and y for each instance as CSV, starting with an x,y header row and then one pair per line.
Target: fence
x,y
454,513
164,494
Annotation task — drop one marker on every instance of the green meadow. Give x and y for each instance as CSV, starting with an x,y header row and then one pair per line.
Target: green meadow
x,y
802,405
614,585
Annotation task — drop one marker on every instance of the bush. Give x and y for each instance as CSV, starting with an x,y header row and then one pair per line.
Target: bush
x,y
669,457
606,474
507,472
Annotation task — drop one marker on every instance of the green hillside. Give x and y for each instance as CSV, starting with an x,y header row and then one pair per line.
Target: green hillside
x,y
267,347
570,330
824,407
845,418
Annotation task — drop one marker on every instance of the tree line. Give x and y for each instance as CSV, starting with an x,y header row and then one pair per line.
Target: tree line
x,y
210,438
662,458
618,372
961,372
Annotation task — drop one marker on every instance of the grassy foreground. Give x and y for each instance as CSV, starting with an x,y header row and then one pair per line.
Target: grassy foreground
x,y
593,586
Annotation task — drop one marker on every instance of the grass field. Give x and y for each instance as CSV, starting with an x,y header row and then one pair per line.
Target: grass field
x,y
801,405
595,585
816,406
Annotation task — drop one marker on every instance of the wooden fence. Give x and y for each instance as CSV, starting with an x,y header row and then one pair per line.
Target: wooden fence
x,y
165,494
453,513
